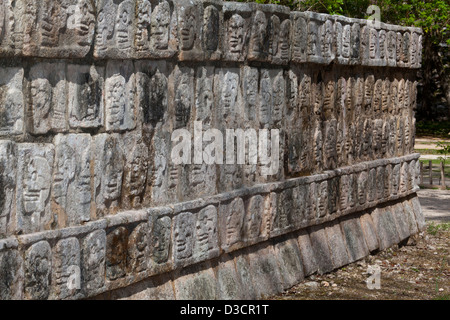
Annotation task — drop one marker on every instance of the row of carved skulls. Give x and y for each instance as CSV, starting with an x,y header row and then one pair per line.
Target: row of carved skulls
x,y
126,28
80,266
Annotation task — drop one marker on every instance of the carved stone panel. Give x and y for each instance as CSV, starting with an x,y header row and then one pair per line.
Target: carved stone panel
x,y
93,251
231,223
116,253
237,21
38,269
227,94
11,275
253,223
65,29
299,32
189,14
135,171
34,172
85,96
120,96
163,30
115,29
66,268
11,101
47,91
259,37
183,96
212,37
250,80
138,249
206,234
7,185
71,186
108,172
160,239
183,237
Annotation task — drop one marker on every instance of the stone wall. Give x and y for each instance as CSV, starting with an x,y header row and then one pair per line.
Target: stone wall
x,y
91,205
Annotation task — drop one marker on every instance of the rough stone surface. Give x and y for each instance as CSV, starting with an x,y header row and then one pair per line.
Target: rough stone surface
x,y
92,94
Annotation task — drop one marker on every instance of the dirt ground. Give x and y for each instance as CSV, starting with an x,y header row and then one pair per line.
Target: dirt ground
x,y
416,270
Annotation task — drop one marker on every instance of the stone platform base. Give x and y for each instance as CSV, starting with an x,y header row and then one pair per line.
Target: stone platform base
x,y
270,267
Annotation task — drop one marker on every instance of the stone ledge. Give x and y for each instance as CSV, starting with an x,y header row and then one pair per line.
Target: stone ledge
x,y
270,267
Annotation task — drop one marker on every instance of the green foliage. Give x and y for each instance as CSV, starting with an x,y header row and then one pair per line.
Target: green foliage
x,y
444,150
433,129
433,228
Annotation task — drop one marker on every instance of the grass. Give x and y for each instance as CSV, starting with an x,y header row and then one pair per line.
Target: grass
x,y
443,297
427,151
434,228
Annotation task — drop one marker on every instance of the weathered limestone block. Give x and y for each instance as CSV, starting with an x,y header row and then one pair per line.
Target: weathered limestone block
x,y
265,271
160,242
299,37
38,269
181,96
237,22
108,172
158,173
354,238
71,184
48,105
385,227
11,275
411,218
255,216
64,29
115,29
93,253
189,14
420,219
12,101
339,254
212,26
163,32
231,221
369,232
183,238
196,283
228,281
321,250
120,96
138,254
85,96
66,281
135,170
401,221
206,234
34,171
244,275
289,262
116,253
7,186
152,91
